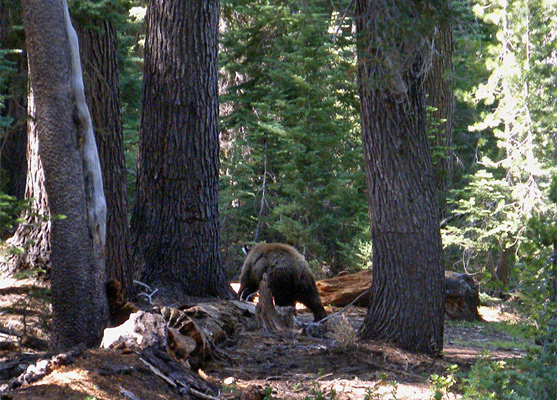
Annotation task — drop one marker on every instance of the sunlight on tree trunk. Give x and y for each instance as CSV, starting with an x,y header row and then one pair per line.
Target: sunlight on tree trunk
x,y
72,174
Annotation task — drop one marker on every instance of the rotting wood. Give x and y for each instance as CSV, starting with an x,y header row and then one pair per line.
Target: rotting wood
x,y
269,317
345,288
176,375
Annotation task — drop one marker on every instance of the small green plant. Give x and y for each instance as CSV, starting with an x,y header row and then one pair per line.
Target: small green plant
x,y
440,384
373,392
268,392
531,377
317,393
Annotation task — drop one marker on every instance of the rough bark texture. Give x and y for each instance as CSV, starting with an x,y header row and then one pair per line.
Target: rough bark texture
x,y
438,86
78,296
33,234
407,292
175,222
98,44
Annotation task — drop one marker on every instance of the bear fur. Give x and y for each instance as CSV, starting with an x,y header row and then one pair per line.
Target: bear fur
x,y
289,277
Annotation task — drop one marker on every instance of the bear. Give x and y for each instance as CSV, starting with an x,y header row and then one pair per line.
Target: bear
x,y
289,277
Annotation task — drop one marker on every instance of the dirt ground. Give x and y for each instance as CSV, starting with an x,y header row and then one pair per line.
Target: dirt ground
x,y
251,364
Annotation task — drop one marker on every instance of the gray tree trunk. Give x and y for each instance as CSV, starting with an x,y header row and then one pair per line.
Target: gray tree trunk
x,y
71,171
175,221
99,54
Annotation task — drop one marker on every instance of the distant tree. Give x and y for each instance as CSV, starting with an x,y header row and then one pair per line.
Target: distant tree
x,y
175,221
407,293
72,177
99,54
441,101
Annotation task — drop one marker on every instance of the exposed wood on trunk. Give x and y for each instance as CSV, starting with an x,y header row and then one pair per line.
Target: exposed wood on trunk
x,y
94,192
99,53
77,273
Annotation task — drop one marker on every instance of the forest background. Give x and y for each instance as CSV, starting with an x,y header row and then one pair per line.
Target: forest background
x,y
292,166
291,154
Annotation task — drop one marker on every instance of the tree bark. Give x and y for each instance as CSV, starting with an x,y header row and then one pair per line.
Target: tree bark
x,y
175,222
32,236
99,53
407,291
438,84
71,181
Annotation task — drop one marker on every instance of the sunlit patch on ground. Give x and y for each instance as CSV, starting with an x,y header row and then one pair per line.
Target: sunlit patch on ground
x,y
498,314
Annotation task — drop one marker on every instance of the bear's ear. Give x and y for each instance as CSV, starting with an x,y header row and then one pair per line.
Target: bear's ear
x,y
246,248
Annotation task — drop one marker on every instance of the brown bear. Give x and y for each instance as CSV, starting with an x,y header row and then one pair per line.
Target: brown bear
x,y
290,279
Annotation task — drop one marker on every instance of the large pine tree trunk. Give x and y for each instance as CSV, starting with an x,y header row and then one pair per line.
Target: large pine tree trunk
x,y
175,222
407,291
71,171
99,53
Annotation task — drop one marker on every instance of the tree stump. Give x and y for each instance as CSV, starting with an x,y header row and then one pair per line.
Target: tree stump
x,y
273,319
461,297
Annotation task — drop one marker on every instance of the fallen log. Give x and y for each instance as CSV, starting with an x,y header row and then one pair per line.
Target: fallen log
x,y
461,300
345,288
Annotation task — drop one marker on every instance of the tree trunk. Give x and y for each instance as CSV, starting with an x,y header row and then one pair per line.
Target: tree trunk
x,y
100,68
32,236
56,102
407,291
175,222
503,271
440,96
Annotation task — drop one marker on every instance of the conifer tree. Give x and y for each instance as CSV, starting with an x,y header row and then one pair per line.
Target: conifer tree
x,y
292,158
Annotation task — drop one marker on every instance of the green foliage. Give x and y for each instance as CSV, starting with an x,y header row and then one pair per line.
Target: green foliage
x,y
317,393
374,392
504,202
268,393
291,155
10,210
532,377
6,69
440,384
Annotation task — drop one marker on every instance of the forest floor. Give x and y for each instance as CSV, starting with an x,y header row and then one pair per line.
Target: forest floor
x,y
253,365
